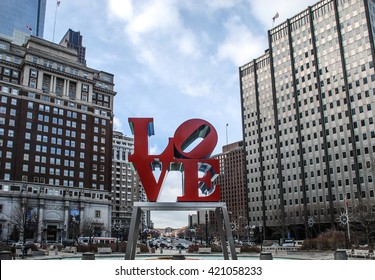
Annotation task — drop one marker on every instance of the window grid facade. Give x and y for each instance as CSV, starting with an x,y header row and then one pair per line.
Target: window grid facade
x,y
233,187
26,16
308,109
127,187
54,137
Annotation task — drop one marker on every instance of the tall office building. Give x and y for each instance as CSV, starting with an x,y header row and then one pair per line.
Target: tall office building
x,y
56,118
308,108
233,187
26,16
73,40
126,186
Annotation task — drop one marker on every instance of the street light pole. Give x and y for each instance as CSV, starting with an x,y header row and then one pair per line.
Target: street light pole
x,y
247,233
346,213
206,229
261,236
246,227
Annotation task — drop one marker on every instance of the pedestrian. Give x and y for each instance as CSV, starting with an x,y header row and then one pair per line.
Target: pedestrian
x,y
24,251
13,251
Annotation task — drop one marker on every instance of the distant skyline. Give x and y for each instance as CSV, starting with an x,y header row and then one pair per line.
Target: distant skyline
x,y
173,60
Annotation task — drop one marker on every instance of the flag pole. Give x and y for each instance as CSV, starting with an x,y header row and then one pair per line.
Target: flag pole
x,y
226,133
54,23
29,28
274,19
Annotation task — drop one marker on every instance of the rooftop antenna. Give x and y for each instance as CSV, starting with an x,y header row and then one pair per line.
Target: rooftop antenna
x,y
54,23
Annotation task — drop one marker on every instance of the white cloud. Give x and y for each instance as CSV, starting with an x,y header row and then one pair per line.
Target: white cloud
x,y
187,44
223,4
196,88
210,6
162,44
154,17
172,187
148,57
154,150
117,124
121,9
240,44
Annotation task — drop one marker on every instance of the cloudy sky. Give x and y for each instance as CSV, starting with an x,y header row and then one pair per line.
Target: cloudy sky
x,y
173,60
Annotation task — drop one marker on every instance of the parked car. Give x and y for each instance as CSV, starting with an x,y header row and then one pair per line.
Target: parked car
x,y
182,246
18,245
288,244
50,242
166,246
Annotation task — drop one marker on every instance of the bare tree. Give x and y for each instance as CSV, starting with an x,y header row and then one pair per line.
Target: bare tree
x,y
90,228
73,229
25,219
363,219
276,224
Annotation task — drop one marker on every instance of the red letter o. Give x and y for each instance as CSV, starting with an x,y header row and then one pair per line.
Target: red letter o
x,y
190,131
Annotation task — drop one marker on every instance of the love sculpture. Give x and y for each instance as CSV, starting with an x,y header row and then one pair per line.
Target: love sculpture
x,y
199,192
176,158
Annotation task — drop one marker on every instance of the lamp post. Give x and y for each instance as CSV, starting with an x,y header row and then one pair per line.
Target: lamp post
x,y
206,216
347,215
246,227
64,233
8,233
44,233
261,236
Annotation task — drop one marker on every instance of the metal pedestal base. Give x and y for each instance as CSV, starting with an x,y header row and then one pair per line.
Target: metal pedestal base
x,y
221,215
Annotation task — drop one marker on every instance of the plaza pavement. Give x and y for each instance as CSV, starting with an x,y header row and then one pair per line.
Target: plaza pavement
x,y
287,255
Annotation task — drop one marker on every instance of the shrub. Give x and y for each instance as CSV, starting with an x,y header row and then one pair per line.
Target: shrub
x,y
250,249
87,248
216,248
122,246
194,248
329,240
143,248
33,247
309,244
